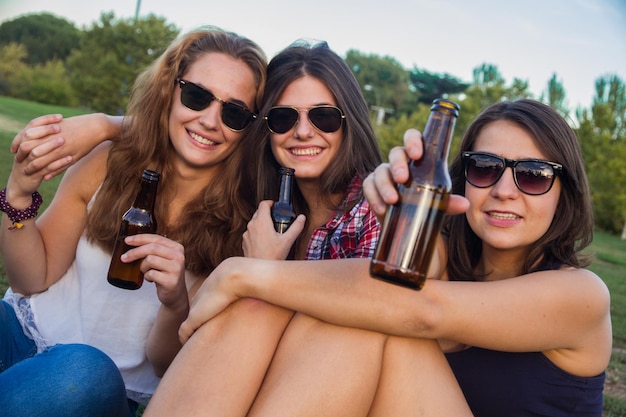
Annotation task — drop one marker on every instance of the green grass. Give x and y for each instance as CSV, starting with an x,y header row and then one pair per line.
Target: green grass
x,y
14,115
610,251
23,111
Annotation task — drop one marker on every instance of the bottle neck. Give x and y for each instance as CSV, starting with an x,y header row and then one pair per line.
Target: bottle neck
x,y
438,135
146,196
286,186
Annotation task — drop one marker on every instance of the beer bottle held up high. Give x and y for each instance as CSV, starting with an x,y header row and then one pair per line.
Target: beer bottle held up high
x,y
138,219
282,210
411,226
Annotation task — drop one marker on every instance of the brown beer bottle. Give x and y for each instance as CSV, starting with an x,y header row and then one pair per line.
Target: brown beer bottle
x,y
138,219
411,226
282,210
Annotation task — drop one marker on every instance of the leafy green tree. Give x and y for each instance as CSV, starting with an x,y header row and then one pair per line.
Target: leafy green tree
x,y
554,96
12,65
430,86
488,87
49,83
384,82
112,53
45,36
603,140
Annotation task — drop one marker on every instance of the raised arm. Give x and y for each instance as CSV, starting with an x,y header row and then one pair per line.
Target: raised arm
x,y
36,253
50,144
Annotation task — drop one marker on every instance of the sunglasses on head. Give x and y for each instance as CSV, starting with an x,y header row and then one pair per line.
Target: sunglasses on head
x,y
194,97
532,176
281,119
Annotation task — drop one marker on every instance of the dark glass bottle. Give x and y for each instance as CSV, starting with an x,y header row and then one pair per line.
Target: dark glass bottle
x,y
138,219
412,225
282,210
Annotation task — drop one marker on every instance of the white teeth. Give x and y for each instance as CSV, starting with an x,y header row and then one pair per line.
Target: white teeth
x,y
503,216
306,152
200,139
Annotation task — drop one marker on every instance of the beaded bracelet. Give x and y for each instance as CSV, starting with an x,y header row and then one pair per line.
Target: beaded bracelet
x,y
17,216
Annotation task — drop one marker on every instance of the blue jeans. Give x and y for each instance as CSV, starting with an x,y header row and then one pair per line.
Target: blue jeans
x,y
64,380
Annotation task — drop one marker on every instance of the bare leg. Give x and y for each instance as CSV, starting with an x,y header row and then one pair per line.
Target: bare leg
x,y
416,380
219,370
321,370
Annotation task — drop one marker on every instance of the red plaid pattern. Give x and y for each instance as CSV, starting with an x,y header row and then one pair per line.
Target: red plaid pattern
x,y
351,234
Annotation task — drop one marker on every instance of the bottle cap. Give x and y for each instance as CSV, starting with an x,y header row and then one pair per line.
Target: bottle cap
x,y
150,175
444,104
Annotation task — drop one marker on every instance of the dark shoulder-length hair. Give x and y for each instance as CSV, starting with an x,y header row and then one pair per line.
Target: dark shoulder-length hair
x,y
210,226
358,154
572,227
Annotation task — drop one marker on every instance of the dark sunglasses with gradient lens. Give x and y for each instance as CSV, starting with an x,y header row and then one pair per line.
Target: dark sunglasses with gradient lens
x,y
532,176
281,119
194,97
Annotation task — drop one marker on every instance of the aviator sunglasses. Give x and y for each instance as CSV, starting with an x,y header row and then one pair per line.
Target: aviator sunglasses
x,y
281,119
532,176
194,97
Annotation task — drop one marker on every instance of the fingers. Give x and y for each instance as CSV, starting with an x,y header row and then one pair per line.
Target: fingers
x,y
260,240
457,204
40,151
185,331
380,186
380,189
399,157
44,158
37,128
413,143
296,228
157,246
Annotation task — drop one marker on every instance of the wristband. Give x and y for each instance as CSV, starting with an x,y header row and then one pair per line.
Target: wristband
x,y
17,216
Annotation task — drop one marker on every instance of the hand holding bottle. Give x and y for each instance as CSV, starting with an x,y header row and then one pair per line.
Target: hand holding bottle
x,y
411,226
380,187
138,219
261,240
161,261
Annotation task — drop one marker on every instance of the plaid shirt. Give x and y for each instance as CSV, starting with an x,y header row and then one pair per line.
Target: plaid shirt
x,y
351,234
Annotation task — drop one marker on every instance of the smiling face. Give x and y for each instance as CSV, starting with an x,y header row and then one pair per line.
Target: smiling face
x,y
304,147
200,138
501,215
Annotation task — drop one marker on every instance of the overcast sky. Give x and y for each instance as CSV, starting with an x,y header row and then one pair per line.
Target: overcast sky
x,y
579,40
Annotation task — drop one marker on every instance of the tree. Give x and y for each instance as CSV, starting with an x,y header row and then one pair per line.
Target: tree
x,y
12,66
430,86
384,82
45,36
112,53
603,140
554,96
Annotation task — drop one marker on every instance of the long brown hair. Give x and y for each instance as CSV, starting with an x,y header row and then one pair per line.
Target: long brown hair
x,y
212,224
358,154
572,227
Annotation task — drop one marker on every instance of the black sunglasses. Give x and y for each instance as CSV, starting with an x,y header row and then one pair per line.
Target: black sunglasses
x,y
532,176
281,119
196,98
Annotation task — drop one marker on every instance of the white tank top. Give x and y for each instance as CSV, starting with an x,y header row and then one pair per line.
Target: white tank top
x,y
82,307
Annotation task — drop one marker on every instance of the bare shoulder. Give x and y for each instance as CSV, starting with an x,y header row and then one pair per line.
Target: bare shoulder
x,y
586,313
87,174
574,289
588,284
